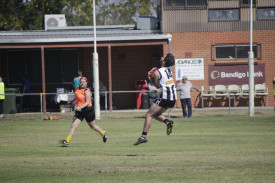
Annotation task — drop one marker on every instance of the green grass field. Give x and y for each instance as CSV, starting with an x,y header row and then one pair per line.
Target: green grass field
x,y
218,148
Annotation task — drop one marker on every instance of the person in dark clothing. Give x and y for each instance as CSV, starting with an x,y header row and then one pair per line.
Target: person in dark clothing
x,y
26,89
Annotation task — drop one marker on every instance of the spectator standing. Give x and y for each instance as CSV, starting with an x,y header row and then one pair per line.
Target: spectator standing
x,y
185,97
102,90
26,89
153,94
76,82
151,87
26,85
2,96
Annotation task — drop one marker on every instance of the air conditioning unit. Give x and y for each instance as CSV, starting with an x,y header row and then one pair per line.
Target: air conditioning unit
x,y
147,23
55,21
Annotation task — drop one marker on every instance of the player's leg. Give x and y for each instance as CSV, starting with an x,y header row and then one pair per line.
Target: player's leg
x,y
147,123
169,123
90,118
76,122
153,110
165,104
159,116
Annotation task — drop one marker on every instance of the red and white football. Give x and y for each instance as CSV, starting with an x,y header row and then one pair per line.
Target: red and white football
x,y
152,72
55,118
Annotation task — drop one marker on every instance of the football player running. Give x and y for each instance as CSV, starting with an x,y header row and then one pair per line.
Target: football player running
x,y
162,79
83,110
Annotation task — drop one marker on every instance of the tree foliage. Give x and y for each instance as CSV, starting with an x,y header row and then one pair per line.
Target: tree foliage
x,y
29,14
123,12
79,12
11,12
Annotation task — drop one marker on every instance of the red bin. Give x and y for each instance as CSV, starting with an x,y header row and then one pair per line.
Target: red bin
x,y
140,85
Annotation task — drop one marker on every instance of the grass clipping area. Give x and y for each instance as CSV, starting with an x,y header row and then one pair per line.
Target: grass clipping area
x,y
205,148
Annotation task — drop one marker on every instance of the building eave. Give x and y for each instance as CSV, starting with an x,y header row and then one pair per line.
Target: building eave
x,y
65,36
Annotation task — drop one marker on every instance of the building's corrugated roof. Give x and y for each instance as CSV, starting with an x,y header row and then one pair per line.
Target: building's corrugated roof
x,y
79,35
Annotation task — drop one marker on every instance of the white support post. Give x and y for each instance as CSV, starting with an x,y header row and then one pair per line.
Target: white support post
x,y
170,51
96,86
251,84
170,44
251,65
95,71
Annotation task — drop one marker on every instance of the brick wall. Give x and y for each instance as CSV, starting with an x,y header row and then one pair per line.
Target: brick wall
x,y
129,64
199,45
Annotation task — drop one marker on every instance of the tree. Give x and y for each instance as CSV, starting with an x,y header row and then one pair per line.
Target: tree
x,y
10,14
79,12
29,14
123,12
36,9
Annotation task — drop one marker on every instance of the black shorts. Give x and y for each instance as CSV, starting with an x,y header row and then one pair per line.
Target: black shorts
x,y
165,103
88,113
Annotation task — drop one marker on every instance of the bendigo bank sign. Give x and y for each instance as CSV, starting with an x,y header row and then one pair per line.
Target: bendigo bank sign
x,y
237,74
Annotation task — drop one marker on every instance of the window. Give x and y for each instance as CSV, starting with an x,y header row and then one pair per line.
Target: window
x,y
224,15
265,13
225,52
185,3
196,2
60,66
16,58
33,66
175,3
235,51
247,1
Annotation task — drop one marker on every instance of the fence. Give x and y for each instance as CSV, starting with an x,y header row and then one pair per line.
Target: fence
x,y
40,95
57,95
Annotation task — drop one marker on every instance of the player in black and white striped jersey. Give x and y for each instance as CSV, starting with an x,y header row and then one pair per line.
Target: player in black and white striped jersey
x,y
162,79
167,84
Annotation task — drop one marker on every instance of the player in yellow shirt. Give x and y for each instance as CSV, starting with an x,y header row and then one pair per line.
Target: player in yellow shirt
x,y
2,97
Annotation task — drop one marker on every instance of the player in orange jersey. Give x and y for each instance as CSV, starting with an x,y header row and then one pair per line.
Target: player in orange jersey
x,y
83,109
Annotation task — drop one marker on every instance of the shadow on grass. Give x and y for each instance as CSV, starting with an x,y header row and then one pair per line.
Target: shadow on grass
x,y
131,155
143,117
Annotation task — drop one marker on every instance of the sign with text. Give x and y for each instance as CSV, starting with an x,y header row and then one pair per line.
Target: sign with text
x,y
237,74
192,68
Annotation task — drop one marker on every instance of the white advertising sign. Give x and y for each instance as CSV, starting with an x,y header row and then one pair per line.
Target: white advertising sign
x,y
192,68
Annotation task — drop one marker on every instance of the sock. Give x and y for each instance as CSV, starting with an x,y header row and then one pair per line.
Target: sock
x,y
68,139
144,134
102,133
